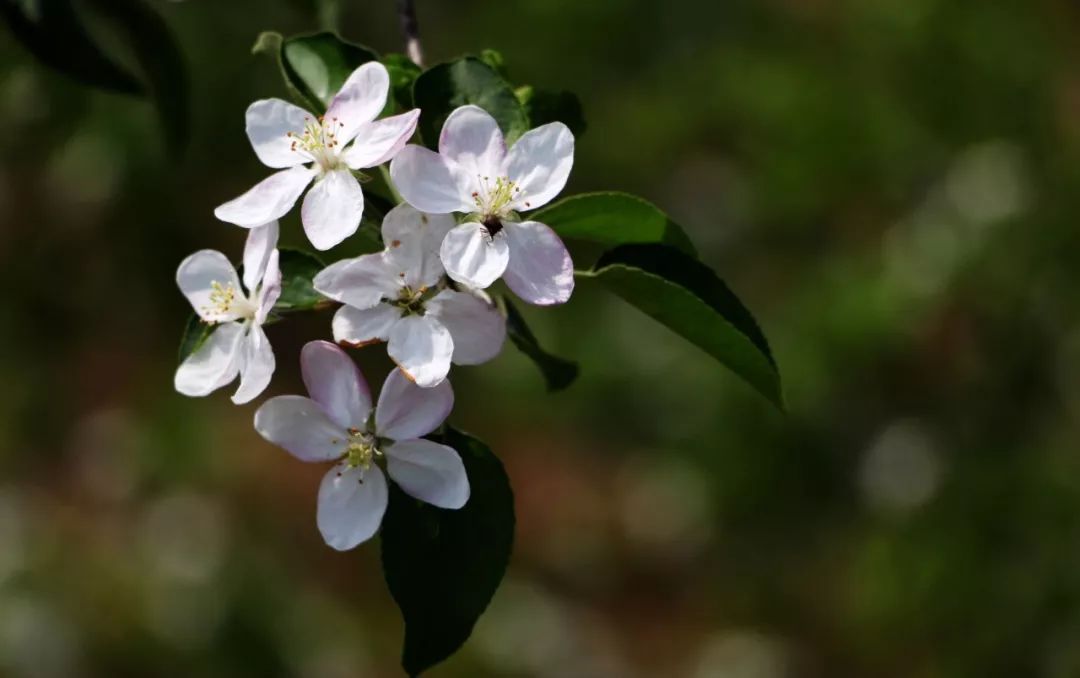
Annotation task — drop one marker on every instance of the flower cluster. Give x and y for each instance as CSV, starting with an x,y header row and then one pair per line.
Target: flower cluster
x,y
458,230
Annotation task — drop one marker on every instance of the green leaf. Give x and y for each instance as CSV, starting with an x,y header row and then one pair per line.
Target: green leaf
x,y
442,88
314,66
298,269
443,566
55,34
196,332
558,372
160,60
613,218
403,72
688,297
544,106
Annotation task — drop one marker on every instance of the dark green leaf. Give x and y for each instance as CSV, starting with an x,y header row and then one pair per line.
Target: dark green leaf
x,y
613,218
443,566
298,268
688,297
314,66
544,106
159,57
196,332
53,32
558,372
442,88
403,72
494,58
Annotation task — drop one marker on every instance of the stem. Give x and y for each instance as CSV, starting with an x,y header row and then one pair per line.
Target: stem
x,y
411,30
329,14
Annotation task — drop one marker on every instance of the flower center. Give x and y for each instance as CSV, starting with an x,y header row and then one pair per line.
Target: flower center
x,y
409,301
493,198
362,450
318,140
226,300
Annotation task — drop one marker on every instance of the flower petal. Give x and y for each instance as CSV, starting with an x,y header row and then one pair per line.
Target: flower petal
x,y
301,427
213,365
412,241
379,141
351,506
471,138
256,365
360,99
539,163
271,127
270,199
261,241
421,346
197,277
476,326
428,182
332,209
540,270
360,326
334,381
270,290
428,471
406,411
361,282
473,257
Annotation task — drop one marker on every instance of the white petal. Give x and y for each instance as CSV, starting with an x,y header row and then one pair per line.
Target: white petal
x,y
422,347
379,141
360,99
406,411
477,327
361,282
332,209
215,364
471,138
473,257
361,326
270,122
428,182
334,381
539,163
301,427
351,506
261,241
256,365
412,241
270,199
540,270
428,471
270,289
197,276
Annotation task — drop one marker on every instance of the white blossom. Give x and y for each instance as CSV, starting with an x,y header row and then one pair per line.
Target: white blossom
x,y
238,344
306,147
399,296
473,173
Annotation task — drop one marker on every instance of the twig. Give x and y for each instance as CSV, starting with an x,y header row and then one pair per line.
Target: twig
x,y
411,29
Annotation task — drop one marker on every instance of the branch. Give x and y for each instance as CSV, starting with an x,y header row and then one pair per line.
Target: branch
x,y
411,29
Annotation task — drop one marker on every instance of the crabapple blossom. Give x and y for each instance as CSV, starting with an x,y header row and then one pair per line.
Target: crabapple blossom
x,y
474,173
336,424
307,148
399,296
238,345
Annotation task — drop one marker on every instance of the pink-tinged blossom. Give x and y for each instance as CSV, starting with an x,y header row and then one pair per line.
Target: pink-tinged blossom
x,y
336,424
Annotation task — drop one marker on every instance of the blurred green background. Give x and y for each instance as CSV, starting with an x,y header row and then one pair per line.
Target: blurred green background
x,y
890,185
